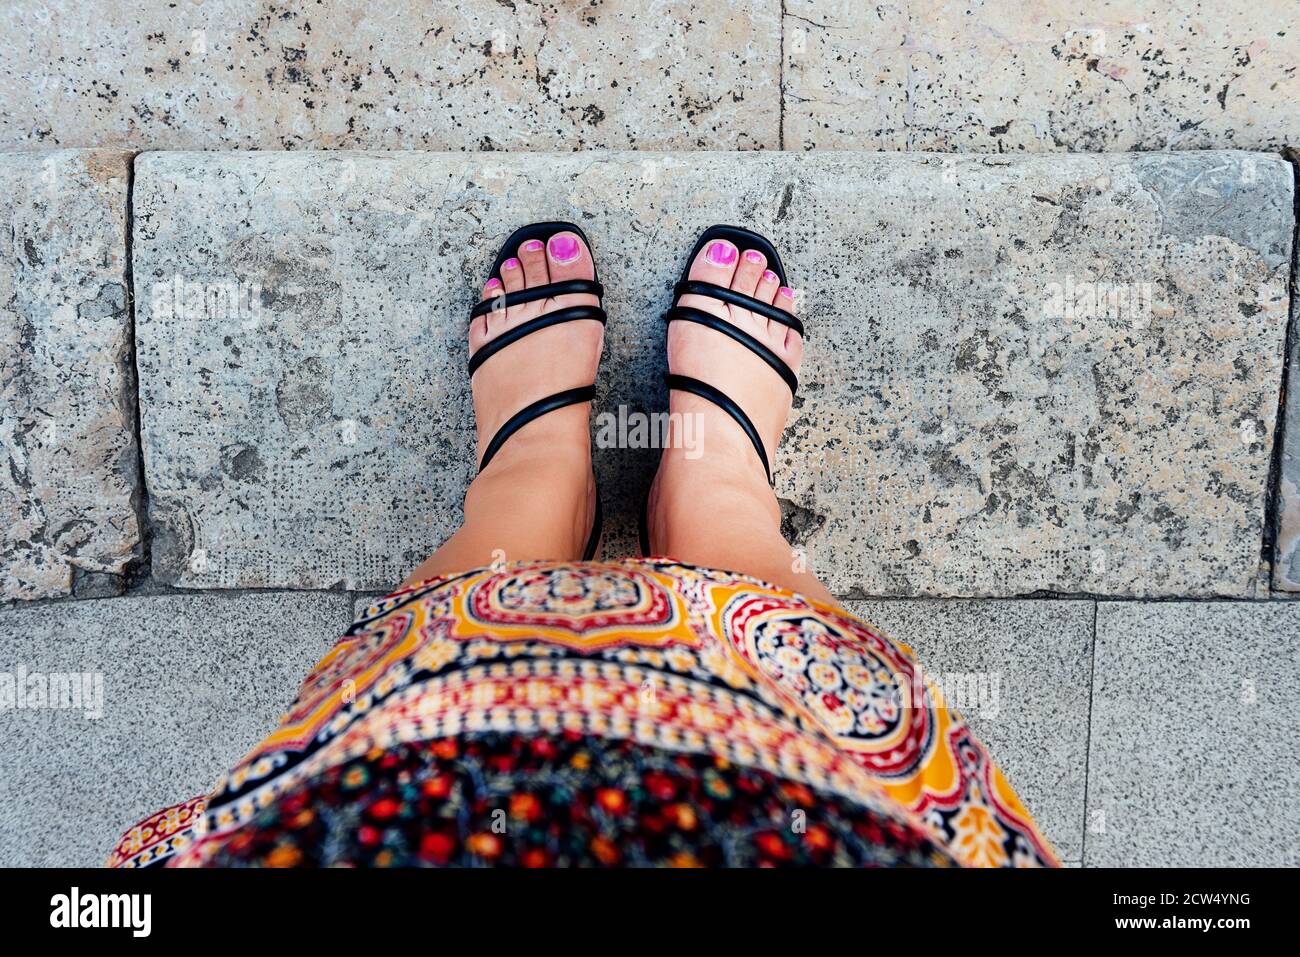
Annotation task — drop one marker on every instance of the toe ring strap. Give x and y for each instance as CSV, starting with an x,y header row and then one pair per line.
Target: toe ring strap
x,y
568,287
533,411
718,324
572,314
724,402
697,287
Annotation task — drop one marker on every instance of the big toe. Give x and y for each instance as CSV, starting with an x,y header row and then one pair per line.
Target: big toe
x,y
715,263
567,257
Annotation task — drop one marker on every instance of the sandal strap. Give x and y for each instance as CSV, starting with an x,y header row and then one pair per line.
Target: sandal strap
x,y
533,411
727,404
698,287
572,314
568,287
718,324
536,410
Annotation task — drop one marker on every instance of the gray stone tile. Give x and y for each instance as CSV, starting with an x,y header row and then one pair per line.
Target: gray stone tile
x,y
846,69
255,74
1192,758
981,413
1056,75
1038,654
190,683
67,407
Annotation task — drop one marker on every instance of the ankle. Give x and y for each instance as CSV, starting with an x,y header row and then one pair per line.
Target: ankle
x,y
691,496
546,489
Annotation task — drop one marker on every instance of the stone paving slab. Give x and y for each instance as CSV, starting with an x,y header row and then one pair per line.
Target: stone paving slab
x,y
67,408
1037,656
1192,758
1037,373
1286,539
189,684
402,74
1055,75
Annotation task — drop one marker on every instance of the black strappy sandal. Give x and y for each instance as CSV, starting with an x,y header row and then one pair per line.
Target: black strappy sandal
x,y
568,287
742,239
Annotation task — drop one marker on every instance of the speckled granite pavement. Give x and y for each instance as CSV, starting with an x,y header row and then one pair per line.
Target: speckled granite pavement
x,y
1139,733
189,683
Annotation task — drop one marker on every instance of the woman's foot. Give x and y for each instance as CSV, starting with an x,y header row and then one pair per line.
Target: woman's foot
x,y
536,498
711,503
701,353
543,363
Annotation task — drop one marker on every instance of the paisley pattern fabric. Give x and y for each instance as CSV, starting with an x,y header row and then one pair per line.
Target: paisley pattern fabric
x,y
672,658
563,801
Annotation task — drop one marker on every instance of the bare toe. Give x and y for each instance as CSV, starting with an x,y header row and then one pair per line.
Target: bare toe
x,y
749,272
567,257
715,263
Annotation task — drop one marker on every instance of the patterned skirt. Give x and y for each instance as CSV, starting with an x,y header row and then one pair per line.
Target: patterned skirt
x,y
640,712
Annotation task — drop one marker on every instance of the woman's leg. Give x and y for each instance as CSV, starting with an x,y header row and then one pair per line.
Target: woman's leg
x,y
536,498
711,503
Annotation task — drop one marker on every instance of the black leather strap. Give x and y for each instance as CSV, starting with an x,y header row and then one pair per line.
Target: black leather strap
x,y
697,287
569,287
724,402
691,314
530,412
572,314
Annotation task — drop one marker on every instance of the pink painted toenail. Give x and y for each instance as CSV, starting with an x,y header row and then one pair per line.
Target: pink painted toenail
x,y
510,263
564,249
721,254
492,283
785,291
533,245
753,256
769,276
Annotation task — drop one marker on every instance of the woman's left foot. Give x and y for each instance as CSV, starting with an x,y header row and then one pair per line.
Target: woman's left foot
x,y
724,460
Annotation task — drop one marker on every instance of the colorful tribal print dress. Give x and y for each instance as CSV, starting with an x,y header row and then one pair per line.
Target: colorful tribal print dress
x,y
633,713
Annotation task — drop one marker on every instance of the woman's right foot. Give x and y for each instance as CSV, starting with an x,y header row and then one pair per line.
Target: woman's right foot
x,y
536,498
548,361
721,461
554,449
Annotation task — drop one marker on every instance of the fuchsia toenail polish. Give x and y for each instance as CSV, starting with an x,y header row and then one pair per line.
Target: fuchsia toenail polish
x,y
492,283
533,245
753,256
785,291
510,263
769,276
564,249
720,253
